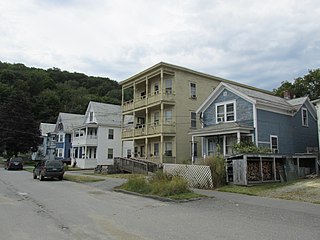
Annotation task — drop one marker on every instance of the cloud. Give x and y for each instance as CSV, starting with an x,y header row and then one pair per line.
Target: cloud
x,y
260,43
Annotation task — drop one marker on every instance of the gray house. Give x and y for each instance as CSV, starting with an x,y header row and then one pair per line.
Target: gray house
x,y
232,114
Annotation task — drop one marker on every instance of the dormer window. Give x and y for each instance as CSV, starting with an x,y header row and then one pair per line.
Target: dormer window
x,y
225,112
91,117
304,113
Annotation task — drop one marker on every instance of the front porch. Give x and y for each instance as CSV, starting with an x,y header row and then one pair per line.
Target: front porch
x,y
220,138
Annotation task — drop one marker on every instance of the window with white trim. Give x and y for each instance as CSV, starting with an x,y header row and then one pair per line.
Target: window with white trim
x,y
225,112
156,149
274,145
110,134
60,137
91,116
193,90
156,118
193,120
60,152
304,115
110,153
168,149
168,116
168,86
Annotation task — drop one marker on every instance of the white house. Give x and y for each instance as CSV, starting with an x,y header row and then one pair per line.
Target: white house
x,y
98,140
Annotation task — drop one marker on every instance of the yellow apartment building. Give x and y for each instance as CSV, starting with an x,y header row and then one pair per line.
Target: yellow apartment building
x,y
162,101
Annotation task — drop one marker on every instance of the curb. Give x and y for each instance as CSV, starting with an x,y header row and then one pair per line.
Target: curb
x,y
162,199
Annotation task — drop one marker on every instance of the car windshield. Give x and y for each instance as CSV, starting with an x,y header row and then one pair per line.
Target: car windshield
x,y
18,160
54,164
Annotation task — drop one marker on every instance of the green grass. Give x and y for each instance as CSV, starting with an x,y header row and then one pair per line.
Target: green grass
x,y
118,175
81,179
160,185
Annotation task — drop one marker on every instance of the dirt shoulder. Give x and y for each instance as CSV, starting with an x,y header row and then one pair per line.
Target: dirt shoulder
x,y
307,190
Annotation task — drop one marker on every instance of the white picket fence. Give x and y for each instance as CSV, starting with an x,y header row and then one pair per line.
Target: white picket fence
x,y
197,176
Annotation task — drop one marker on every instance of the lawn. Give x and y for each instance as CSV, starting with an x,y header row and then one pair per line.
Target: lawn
x,y
307,190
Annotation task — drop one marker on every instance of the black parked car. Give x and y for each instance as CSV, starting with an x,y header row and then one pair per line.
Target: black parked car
x,y
49,169
14,163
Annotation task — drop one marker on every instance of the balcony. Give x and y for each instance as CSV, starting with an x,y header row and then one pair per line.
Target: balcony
x,y
142,101
127,133
85,141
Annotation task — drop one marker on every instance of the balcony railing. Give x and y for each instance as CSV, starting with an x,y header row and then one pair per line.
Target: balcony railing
x,y
85,140
152,128
142,101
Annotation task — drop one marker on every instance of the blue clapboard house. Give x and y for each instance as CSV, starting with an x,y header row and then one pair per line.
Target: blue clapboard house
x,y
232,114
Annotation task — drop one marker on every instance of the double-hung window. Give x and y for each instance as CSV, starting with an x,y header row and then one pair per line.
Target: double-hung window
x,y
304,115
168,116
225,112
274,144
110,153
156,118
110,134
168,86
193,90
193,120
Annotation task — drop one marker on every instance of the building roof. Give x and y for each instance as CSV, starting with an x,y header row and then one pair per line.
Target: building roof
x,y
69,121
105,114
223,127
156,67
261,99
46,128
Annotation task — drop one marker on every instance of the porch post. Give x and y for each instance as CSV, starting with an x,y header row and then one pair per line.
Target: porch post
x,y
238,137
192,150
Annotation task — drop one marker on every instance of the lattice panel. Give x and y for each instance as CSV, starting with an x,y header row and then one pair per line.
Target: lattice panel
x,y
197,176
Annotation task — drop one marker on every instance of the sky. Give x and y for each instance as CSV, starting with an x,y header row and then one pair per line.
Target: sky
x,y
258,43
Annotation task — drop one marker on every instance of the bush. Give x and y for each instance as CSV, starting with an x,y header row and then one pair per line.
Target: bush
x,y
217,166
249,147
159,184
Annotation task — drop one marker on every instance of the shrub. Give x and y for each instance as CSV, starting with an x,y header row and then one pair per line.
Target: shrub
x,y
158,184
217,166
249,147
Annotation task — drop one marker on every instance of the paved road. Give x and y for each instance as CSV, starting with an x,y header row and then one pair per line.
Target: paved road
x,y
30,209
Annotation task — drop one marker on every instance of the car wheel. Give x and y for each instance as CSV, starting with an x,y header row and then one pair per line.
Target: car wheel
x,y
60,178
34,176
41,177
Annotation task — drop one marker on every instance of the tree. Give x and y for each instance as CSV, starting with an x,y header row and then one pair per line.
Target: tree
x,y
308,85
19,133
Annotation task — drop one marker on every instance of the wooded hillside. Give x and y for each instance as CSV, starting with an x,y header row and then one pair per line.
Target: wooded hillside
x,y
52,91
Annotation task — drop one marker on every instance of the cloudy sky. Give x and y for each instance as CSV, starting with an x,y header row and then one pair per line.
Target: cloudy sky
x,y
260,43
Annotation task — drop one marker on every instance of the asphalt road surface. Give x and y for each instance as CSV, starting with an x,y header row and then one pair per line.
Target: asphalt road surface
x,y
31,209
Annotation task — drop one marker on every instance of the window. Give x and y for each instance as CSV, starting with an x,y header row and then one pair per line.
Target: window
x,y
128,153
168,85
274,143
195,149
156,88
156,149
156,118
225,112
168,116
110,135
110,153
193,120
168,148
91,116
193,90
304,113
60,138
60,152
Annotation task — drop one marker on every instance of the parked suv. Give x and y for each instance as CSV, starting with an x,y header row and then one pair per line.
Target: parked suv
x,y
15,163
49,169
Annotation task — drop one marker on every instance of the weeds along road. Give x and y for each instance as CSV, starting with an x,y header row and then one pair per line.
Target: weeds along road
x,y
30,209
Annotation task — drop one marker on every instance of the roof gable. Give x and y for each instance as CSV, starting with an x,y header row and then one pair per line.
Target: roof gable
x,y
67,121
217,91
103,113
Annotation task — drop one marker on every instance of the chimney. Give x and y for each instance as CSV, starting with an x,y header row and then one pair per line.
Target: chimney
x,y
286,95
